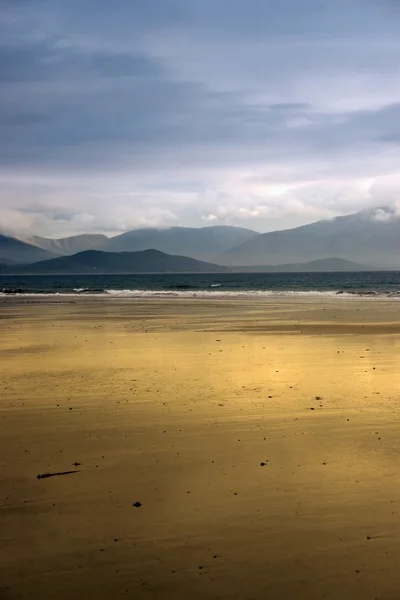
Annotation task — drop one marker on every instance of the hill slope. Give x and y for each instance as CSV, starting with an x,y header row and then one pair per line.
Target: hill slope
x,y
13,251
371,236
96,261
205,243
71,245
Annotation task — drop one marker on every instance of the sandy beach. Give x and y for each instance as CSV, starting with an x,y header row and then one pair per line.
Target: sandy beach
x,y
259,441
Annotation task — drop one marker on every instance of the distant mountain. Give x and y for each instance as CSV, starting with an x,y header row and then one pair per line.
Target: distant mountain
x,y
369,237
71,245
323,265
96,261
205,243
7,262
13,251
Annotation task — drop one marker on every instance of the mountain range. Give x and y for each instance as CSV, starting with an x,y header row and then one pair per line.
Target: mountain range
x,y
70,245
370,237
99,262
13,251
153,261
204,243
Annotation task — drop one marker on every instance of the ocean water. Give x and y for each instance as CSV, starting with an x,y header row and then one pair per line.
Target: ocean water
x,y
369,284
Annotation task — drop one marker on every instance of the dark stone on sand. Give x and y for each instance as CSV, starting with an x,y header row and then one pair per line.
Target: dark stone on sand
x,y
47,475
137,504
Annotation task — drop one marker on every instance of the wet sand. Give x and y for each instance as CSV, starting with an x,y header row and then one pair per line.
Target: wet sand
x,y
261,439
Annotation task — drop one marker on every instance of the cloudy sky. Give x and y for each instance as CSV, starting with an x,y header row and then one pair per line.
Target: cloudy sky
x,y
259,113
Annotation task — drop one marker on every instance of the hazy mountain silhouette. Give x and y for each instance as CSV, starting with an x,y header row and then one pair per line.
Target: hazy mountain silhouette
x,y
201,243
368,237
96,261
13,251
205,243
71,245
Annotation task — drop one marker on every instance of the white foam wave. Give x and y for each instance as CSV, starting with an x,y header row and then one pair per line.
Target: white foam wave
x,y
220,293
337,294
136,293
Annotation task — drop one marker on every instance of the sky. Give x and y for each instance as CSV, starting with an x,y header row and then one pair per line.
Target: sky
x,y
264,114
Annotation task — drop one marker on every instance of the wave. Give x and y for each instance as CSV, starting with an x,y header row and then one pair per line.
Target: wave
x,y
12,291
252,293
219,293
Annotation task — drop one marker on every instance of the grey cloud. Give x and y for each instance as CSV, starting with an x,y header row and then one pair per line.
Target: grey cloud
x,y
48,60
11,116
160,116
122,65
173,102
21,64
254,17
290,107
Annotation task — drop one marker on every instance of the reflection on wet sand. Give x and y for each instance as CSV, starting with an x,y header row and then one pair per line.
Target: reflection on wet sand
x,y
218,457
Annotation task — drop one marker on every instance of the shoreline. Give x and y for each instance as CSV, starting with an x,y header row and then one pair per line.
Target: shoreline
x,y
261,295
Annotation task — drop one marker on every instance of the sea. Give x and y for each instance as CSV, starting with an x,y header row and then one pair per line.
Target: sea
x,y
380,284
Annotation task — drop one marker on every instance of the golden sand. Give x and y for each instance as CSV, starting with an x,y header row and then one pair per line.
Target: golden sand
x,y
176,405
